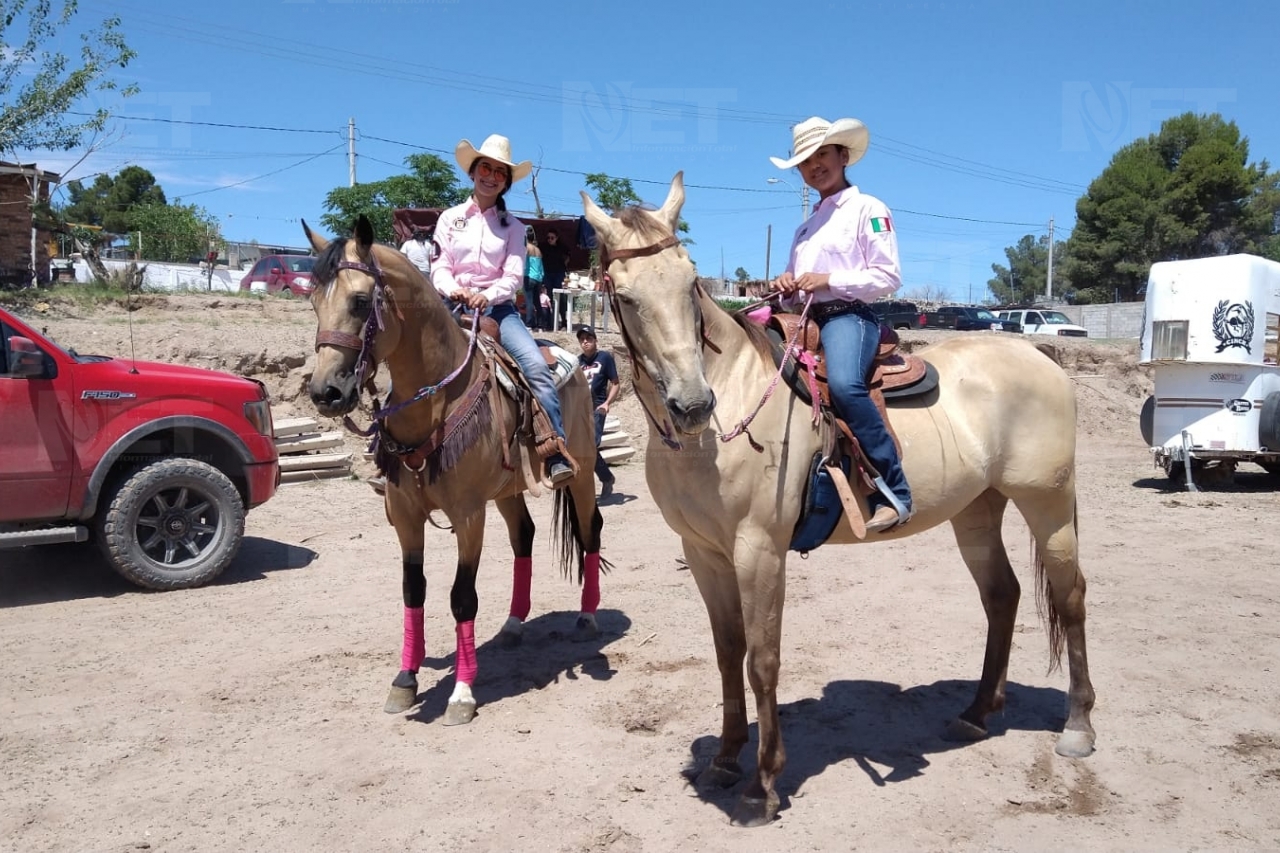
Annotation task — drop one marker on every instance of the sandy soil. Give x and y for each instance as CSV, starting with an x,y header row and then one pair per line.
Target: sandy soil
x,y
248,715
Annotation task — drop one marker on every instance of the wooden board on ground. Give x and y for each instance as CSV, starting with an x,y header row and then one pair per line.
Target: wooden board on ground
x,y
612,424
315,461
295,426
615,439
313,474
309,441
616,455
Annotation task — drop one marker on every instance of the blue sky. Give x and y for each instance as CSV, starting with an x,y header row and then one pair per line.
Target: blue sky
x,y
986,118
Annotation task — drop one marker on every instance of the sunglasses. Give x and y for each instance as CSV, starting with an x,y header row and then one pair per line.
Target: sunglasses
x,y
485,170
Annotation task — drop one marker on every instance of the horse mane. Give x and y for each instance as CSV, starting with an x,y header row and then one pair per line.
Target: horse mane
x,y
325,269
642,221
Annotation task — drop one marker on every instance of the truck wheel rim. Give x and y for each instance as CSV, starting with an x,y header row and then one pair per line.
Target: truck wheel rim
x,y
177,526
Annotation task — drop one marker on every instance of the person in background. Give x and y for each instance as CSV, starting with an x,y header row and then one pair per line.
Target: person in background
x,y
555,262
533,273
418,250
481,262
846,255
601,371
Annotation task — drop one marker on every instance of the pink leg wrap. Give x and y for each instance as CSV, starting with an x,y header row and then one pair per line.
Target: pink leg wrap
x,y
521,583
591,582
466,663
414,649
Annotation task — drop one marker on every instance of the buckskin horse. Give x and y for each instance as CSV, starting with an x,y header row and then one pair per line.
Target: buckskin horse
x,y
999,426
447,440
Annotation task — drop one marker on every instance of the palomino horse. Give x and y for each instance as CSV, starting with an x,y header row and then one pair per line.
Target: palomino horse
x,y
999,427
448,441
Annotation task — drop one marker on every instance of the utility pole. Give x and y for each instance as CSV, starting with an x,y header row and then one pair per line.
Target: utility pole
x,y
768,247
351,151
1049,293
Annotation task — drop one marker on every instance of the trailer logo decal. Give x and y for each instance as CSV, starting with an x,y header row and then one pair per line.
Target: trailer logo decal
x,y
1233,325
1226,377
1238,407
107,395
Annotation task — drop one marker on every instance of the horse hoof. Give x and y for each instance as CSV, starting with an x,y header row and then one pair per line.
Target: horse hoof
x,y
1072,744
753,811
719,776
509,639
585,630
964,731
400,699
459,713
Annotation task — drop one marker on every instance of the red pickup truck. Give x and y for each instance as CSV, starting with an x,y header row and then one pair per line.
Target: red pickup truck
x,y
159,461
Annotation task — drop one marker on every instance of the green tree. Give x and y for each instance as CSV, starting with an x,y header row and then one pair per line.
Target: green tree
x,y
1027,275
431,182
109,201
741,274
173,232
613,194
39,87
1185,192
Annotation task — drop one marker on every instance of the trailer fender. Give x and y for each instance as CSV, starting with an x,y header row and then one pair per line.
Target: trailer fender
x,y
1269,422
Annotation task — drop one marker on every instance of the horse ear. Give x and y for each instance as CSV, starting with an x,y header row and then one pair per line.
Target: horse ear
x,y
669,213
364,231
598,219
317,242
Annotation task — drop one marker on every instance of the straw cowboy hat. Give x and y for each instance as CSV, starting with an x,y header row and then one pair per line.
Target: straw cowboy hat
x,y
497,148
813,133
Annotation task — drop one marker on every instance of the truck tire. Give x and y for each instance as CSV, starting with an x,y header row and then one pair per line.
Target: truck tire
x,y
1269,422
1147,420
172,524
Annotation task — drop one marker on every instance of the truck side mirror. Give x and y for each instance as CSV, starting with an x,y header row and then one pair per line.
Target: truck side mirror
x,y
25,358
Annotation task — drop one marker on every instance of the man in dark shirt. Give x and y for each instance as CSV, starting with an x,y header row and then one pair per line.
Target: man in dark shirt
x,y
555,261
602,374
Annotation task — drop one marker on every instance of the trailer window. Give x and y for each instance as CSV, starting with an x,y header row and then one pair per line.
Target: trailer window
x,y
1169,339
1271,349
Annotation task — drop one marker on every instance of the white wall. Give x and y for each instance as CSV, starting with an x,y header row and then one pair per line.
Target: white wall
x,y
164,276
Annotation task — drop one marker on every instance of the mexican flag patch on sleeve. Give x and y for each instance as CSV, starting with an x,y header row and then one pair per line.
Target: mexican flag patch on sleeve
x,y
881,224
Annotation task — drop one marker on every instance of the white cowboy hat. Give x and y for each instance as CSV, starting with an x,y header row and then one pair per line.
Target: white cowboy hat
x,y
813,133
497,148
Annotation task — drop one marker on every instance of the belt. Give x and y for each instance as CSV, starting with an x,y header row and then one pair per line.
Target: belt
x,y
823,311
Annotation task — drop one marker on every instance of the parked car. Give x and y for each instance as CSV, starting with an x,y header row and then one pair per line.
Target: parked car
x,y
286,274
967,318
156,462
899,315
1038,321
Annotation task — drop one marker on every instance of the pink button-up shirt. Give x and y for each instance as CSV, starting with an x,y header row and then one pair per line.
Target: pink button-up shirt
x,y
478,253
851,236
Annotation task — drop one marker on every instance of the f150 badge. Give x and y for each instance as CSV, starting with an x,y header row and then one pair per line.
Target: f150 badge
x,y
107,395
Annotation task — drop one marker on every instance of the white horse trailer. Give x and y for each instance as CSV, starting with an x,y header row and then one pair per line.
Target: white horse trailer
x,y
1211,330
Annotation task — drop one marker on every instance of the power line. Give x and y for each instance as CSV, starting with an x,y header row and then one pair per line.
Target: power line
x,y
267,175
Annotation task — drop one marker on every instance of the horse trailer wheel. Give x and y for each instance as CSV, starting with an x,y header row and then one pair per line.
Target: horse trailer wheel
x,y
1269,422
173,524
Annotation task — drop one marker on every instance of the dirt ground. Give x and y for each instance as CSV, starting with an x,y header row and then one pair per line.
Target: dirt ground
x,y
247,715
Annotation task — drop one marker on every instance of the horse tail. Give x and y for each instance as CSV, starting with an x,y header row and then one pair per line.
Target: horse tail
x,y
1045,605
568,544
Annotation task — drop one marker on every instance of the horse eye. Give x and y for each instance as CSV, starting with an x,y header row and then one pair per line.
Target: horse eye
x,y
360,304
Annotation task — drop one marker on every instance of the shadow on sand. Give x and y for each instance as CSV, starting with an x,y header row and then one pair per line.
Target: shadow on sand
x,y
546,655
875,725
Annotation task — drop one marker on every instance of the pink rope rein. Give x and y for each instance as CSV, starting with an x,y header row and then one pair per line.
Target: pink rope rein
x,y
787,354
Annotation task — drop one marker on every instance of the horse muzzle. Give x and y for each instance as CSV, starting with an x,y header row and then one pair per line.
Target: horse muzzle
x,y
334,397
692,415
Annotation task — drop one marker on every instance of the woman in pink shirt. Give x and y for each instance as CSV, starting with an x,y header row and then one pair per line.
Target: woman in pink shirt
x,y
846,255
481,262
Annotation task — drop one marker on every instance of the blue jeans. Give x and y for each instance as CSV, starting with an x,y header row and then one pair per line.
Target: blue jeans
x,y
602,468
517,341
532,289
850,342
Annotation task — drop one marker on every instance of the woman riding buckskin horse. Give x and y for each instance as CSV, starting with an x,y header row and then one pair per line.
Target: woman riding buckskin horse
x,y
846,255
481,262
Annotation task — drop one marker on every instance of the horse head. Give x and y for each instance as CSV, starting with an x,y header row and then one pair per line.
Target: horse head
x,y
655,299
358,286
